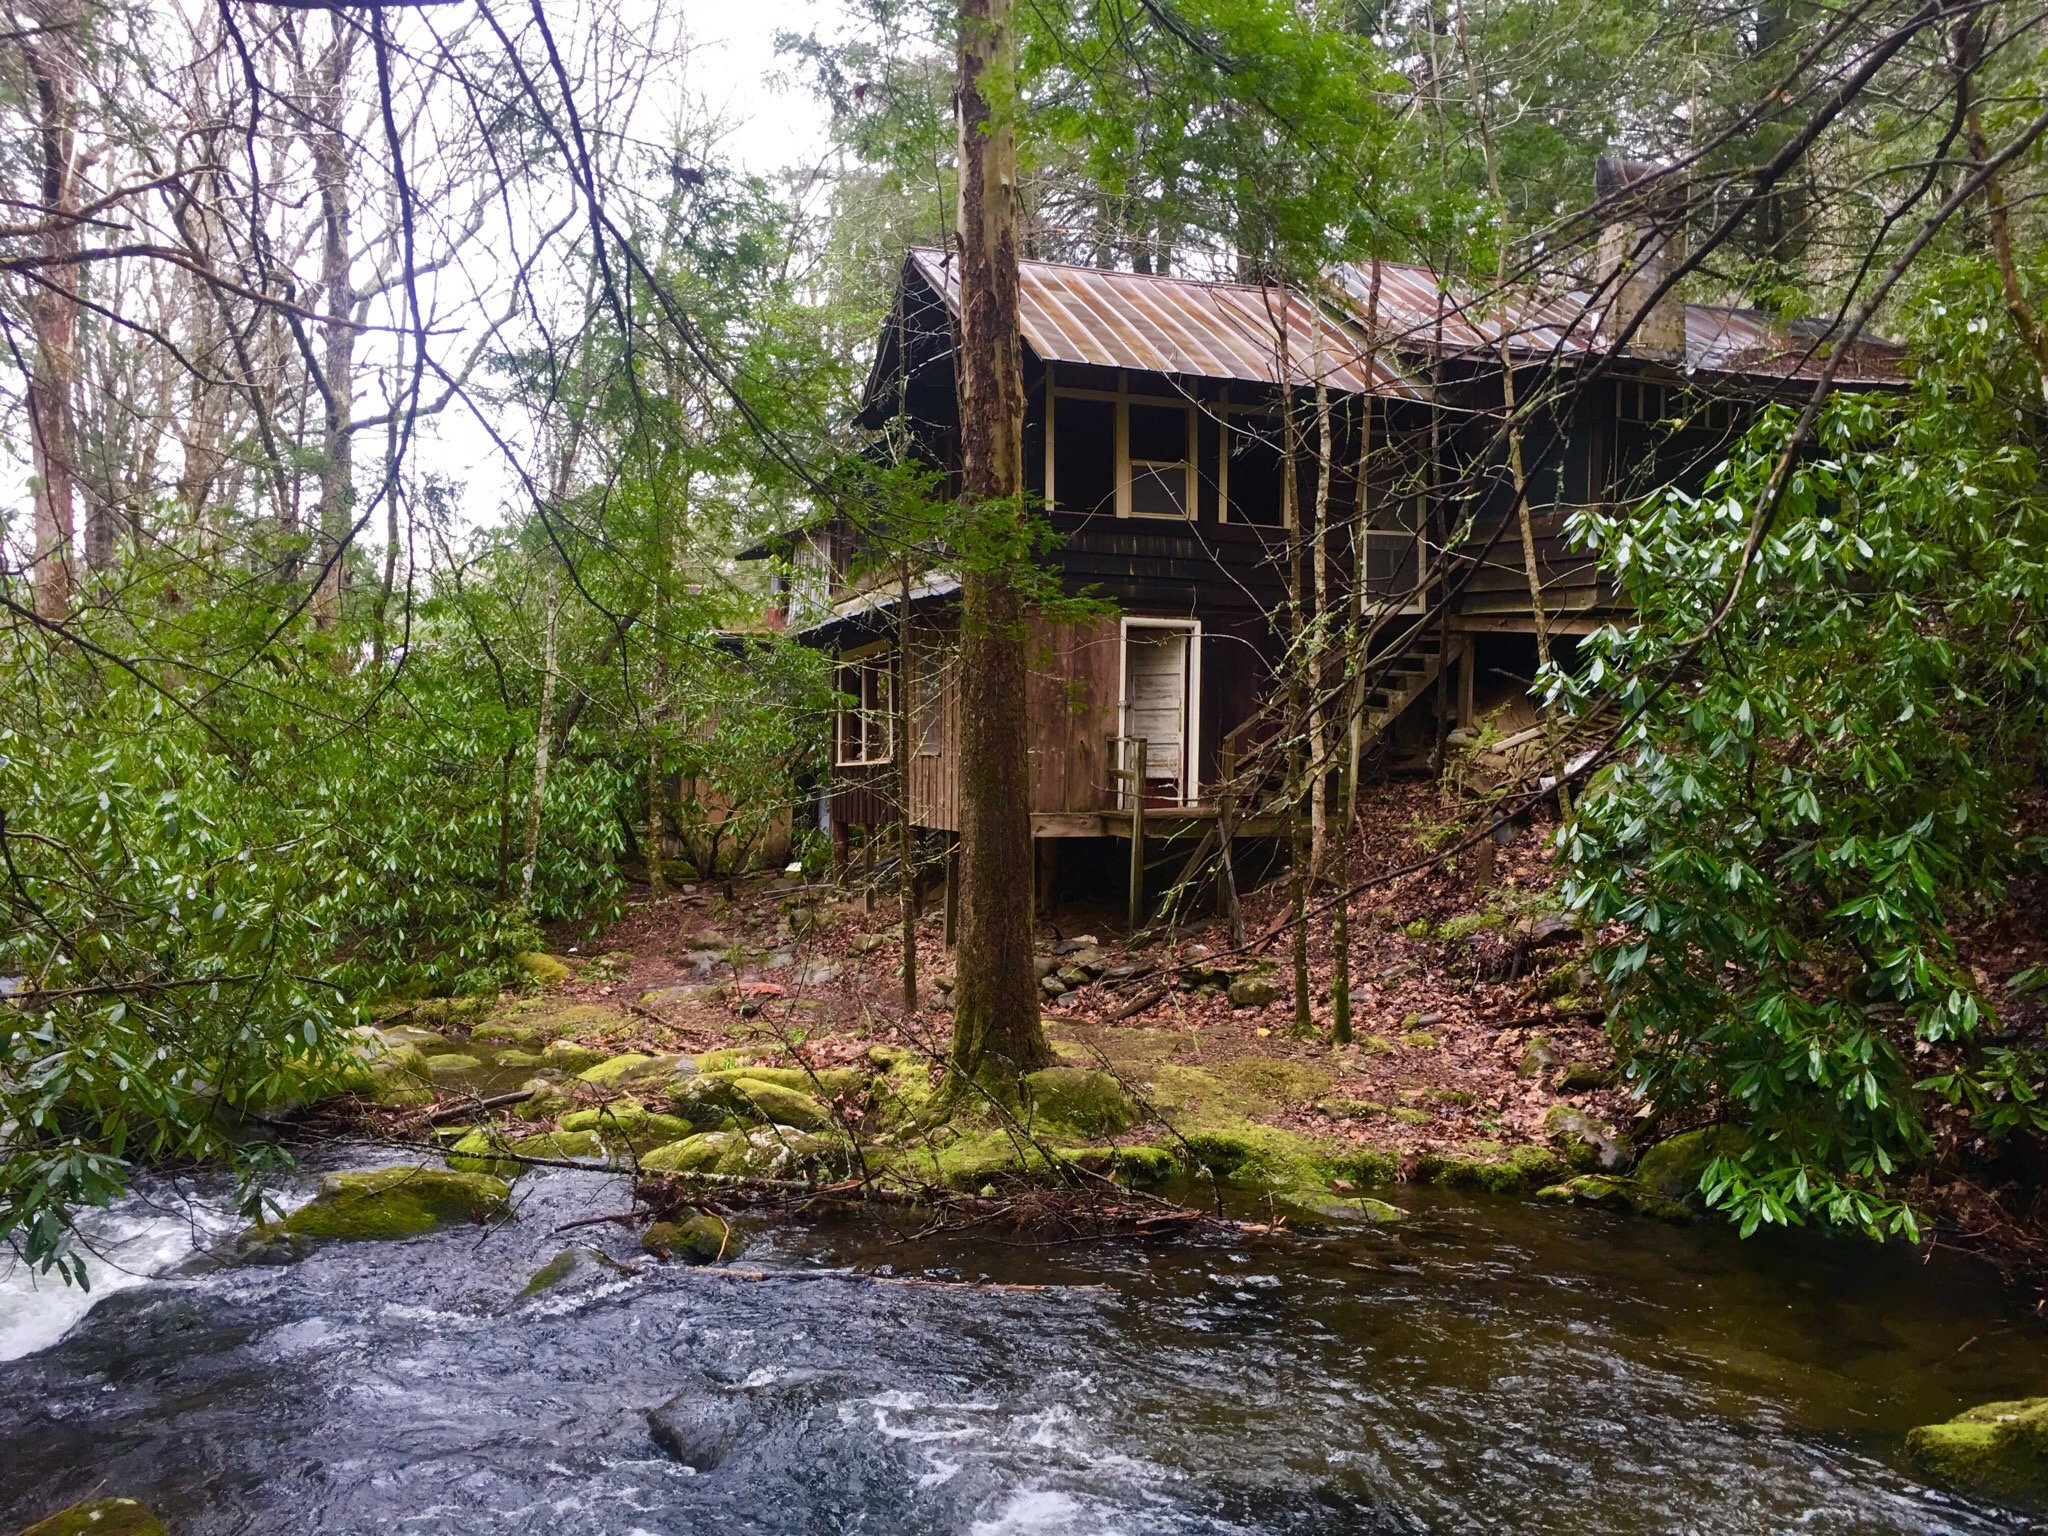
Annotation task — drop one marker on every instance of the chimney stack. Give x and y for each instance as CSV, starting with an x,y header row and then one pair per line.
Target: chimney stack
x,y
1642,242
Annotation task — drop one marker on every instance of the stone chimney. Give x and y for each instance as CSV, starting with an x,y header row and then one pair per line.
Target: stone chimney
x,y
1642,242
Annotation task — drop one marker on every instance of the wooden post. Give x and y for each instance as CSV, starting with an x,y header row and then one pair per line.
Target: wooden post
x,y
952,921
867,868
1226,840
1468,667
1137,783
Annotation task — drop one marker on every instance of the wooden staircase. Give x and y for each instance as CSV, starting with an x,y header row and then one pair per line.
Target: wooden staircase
x,y
1420,662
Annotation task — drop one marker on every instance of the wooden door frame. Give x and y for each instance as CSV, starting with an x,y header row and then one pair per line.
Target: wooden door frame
x,y
1191,703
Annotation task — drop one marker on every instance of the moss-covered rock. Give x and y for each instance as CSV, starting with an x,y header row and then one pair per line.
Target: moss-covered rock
x,y
1617,1194
399,1076
629,1124
453,1065
1538,1057
1255,1156
1466,924
571,1055
827,1082
1489,1168
1077,1099
1253,989
700,1239
633,1069
1409,1115
381,1204
544,970
712,1098
1581,1077
1588,1145
775,1153
1419,1040
1323,1205
1998,1448
545,1099
99,1517
481,1151
1674,1168
1340,1108
573,1268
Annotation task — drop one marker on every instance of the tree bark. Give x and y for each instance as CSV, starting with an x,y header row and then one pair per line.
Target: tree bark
x,y
53,316
330,152
996,1032
543,742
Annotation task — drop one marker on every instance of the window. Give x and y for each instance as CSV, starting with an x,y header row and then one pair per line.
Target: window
x,y
1161,449
1113,454
1393,547
1254,471
1084,453
867,719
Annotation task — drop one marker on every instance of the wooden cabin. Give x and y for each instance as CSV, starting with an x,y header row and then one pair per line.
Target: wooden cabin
x,y
1154,442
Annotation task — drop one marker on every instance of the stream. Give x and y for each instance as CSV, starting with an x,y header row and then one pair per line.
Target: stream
x,y
1486,1366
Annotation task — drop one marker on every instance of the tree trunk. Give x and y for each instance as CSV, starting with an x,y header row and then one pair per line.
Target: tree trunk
x,y
996,1032
330,153
907,892
53,312
543,742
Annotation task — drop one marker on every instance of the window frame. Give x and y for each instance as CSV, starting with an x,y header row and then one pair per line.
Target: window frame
x,y
1122,398
875,664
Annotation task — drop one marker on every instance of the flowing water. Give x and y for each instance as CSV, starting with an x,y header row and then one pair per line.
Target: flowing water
x,y
1486,1367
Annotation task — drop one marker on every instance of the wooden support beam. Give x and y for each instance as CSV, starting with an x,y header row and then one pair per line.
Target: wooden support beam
x,y
952,924
1137,791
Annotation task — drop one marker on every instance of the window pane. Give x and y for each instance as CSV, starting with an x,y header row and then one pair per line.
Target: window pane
x,y
1159,490
1084,455
1159,433
1255,471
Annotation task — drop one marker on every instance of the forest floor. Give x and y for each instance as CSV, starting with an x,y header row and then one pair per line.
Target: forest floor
x,y
1479,1054
1471,1017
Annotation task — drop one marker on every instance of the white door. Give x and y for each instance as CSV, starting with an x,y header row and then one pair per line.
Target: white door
x,y
1159,671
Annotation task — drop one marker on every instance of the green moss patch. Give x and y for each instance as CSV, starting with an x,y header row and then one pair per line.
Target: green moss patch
x,y
712,1098
629,1124
1077,1099
474,1152
700,1239
100,1517
384,1204
1488,1168
544,970
1617,1194
1675,1167
1998,1448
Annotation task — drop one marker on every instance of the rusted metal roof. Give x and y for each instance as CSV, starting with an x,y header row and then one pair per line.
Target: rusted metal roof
x,y
1178,325
1414,310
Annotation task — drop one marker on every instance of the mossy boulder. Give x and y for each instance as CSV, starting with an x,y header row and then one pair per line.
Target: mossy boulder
x,y
399,1076
827,1082
99,1517
455,1064
1538,1057
1617,1194
629,1124
1077,1099
481,1150
1253,989
1588,1145
1998,1448
1489,1168
1581,1077
631,1070
545,1099
700,1239
574,1268
1322,1205
1340,1108
713,1098
776,1154
1265,1157
571,1055
544,970
381,1204
1674,1168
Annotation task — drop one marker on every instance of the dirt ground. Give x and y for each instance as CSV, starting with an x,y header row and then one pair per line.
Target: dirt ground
x,y
1471,1014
